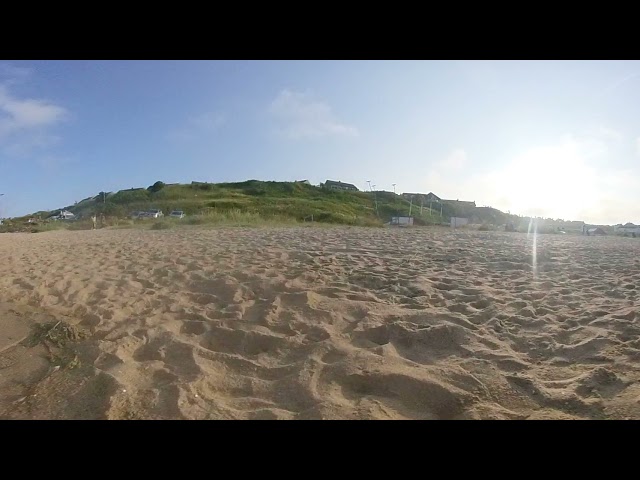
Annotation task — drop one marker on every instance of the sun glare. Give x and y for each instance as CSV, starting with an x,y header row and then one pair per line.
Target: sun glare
x,y
549,181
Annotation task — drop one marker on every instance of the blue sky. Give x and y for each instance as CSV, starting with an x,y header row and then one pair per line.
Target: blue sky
x,y
550,138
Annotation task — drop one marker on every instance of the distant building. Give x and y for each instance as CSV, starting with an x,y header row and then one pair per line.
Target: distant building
x,y
333,185
424,199
627,228
460,203
432,197
458,222
421,197
401,221
596,231
304,181
62,215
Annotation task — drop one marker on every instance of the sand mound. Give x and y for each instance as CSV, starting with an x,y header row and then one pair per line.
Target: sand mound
x,y
318,323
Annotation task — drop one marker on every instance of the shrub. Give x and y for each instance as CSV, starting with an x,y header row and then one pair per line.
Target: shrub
x,y
156,187
161,226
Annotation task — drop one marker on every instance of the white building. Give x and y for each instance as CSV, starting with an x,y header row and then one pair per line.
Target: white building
x,y
627,229
63,215
458,222
401,221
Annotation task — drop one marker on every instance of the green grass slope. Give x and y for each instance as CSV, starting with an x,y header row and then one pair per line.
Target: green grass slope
x,y
258,201
292,200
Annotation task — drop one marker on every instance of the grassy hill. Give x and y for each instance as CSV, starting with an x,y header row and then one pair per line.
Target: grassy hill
x,y
284,201
265,201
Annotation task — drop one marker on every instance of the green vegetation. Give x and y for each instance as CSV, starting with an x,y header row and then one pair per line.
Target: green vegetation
x,y
256,202
244,203
156,187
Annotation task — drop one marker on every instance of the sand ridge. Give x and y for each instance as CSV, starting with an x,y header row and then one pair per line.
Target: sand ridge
x,y
332,323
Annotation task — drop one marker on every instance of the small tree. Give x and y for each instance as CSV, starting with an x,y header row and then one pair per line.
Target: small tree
x,y
156,187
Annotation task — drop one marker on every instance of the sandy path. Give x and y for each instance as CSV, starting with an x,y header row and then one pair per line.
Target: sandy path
x,y
332,323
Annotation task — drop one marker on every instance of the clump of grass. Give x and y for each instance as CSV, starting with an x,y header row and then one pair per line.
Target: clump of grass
x,y
162,225
58,338
47,227
194,220
238,217
80,225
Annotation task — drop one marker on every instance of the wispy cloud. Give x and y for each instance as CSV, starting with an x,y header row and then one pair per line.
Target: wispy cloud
x,y
26,123
456,160
25,144
618,83
10,74
53,162
198,125
298,115
607,133
23,114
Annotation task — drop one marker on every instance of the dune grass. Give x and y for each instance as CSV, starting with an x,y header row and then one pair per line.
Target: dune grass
x,y
250,203
255,202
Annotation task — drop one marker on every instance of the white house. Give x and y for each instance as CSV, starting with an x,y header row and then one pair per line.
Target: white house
x,y
402,221
627,229
63,215
458,222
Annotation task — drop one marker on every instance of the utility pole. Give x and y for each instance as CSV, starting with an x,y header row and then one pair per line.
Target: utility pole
x,y
394,188
375,200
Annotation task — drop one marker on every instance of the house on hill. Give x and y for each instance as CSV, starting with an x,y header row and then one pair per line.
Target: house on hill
x,y
460,203
596,231
421,197
333,185
627,228
62,215
433,198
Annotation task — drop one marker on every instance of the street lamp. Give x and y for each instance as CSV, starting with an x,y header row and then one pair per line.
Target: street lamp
x,y
394,188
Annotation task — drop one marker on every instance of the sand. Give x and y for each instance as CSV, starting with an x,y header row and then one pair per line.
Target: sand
x,y
322,323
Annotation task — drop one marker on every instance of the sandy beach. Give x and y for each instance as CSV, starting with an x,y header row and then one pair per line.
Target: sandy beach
x,y
321,323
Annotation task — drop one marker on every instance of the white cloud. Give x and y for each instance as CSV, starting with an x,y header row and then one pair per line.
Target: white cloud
x,y
197,126
209,121
25,123
607,133
23,145
11,74
618,83
456,160
299,115
53,162
20,114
